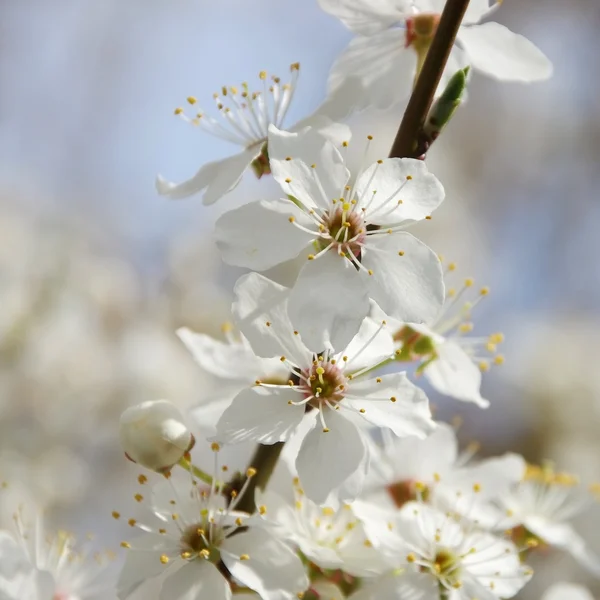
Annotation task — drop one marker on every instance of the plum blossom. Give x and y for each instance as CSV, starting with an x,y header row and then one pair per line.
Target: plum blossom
x,y
245,119
450,359
393,36
196,542
433,469
39,565
540,508
330,537
324,386
352,236
433,551
235,366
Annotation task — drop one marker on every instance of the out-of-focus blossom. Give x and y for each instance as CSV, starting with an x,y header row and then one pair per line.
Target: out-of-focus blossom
x,y
246,117
567,591
392,39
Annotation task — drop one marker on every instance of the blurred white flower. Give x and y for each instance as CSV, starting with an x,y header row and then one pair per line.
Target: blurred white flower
x,y
199,534
450,359
392,39
433,552
324,386
433,470
353,237
567,591
246,117
330,538
542,506
154,435
37,565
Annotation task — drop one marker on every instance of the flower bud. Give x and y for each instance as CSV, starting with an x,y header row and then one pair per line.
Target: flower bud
x,y
154,435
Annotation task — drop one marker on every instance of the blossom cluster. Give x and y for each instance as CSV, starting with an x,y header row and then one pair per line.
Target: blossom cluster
x,y
354,490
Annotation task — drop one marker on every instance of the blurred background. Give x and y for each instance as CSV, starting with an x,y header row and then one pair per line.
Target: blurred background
x,y
97,271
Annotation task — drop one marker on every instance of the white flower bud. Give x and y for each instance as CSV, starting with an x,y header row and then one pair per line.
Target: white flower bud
x,y
154,435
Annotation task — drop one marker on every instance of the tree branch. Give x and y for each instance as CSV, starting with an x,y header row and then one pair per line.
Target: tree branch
x,y
406,144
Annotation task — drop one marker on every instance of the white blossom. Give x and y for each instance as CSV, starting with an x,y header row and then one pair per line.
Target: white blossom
x,y
154,434
235,366
324,386
330,537
352,236
196,544
245,116
433,470
434,552
567,591
544,503
392,38
38,565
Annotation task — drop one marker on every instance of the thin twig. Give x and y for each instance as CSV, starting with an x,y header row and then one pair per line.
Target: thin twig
x,y
406,143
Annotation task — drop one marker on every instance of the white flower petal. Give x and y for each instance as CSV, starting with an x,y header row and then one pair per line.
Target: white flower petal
x,y
372,344
398,199
260,310
196,580
567,591
408,414
408,287
262,415
366,17
476,10
259,235
142,562
327,591
273,569
383,65
327,459
455,374
497,51
228,361
215,179
313,186
564,536
325,125
328,302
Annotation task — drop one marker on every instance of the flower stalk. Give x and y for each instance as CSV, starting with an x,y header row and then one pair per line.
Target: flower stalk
x,y
407,143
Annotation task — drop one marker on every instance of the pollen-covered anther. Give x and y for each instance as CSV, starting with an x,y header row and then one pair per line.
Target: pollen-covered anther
x,y
164,559
251,472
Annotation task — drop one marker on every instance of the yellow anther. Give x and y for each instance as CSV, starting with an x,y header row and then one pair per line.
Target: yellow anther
x,y
484,366
291,219
288,180
142,479
262,509
283,359
131,522
465,327
380,162
400,252
369,137
362,411
484,291
185,554
262,75
408,177
325,429
191,100
436,477
490,347
178,110
138,498
204,553
370,271
244,557
295,66
452,266
125,545
393,398
164,559
250,472
116,515
428,218
311,257
239,522
345,144
476,488
411,558
469,282
532,543
346,206
499,359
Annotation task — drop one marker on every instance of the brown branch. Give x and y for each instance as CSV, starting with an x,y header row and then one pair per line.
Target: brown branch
x,y
264,460
406,143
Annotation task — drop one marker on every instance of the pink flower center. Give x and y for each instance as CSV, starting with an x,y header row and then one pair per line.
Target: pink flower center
x,y
420,30
347,230
324,382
